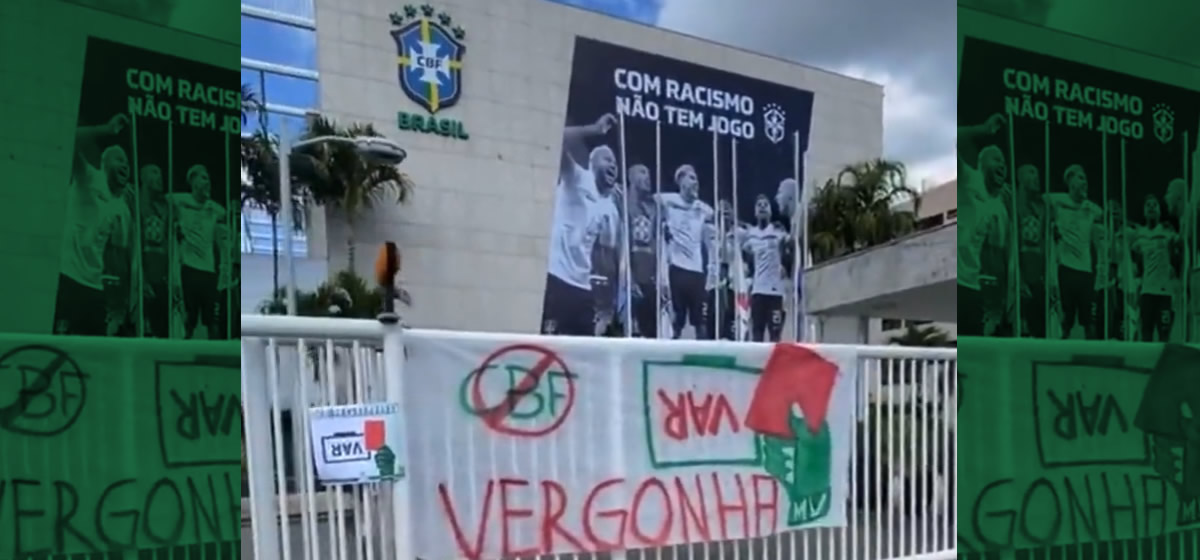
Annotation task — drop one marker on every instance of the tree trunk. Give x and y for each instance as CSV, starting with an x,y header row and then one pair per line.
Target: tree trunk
x,y
350,249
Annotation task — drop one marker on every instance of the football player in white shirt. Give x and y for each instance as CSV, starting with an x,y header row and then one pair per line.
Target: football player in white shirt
x,y
983,216
156,299
766,243
1114,274
585,213
720,264
197,219
1073,218
94,258
1031,250
1156,251
644,228
687,219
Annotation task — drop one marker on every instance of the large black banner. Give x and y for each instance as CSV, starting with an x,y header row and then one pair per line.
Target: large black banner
x,y
150,244
677,210
1079,213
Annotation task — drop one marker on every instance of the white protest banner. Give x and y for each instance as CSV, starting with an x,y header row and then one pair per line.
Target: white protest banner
x,y
532,446
356,443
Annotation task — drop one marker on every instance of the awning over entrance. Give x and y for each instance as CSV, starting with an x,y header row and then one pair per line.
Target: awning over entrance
x,y
910,278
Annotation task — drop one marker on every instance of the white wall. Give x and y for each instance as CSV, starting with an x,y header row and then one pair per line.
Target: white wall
x,y
475,235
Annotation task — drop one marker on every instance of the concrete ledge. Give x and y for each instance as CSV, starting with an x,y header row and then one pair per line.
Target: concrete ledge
x,y
910,278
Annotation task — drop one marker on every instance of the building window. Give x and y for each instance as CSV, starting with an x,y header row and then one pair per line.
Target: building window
x,y
892,324
279,43
952,215
285,98
256,234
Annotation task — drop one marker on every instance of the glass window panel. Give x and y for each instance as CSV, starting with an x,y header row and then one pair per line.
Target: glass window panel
x,y
300,8
294,92
278,43
295,125
256,235
257,231
253,78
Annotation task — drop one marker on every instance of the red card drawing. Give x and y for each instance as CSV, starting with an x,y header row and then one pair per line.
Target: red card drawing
x,y
374,434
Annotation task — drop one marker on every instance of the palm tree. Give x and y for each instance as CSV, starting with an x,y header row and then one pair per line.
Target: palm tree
x,y
856,209
250,102
260,180
344,179
922,335
345,295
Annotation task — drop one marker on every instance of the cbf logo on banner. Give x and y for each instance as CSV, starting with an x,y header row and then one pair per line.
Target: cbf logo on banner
x,y
1164,123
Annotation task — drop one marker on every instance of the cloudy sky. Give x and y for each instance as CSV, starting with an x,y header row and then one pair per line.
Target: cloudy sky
x,y
907,46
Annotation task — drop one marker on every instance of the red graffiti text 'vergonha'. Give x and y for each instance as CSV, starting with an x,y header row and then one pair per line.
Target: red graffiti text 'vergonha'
x,y
522,517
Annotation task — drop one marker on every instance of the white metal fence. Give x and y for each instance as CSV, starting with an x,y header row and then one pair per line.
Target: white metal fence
x,y
902,490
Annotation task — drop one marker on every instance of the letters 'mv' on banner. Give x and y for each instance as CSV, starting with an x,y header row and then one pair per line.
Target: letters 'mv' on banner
x,y
702,244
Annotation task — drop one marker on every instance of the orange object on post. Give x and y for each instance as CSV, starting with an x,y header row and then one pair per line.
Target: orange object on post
x,y
387,265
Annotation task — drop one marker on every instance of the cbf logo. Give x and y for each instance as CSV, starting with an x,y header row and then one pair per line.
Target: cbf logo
x,y
1164,123
774,123
430,56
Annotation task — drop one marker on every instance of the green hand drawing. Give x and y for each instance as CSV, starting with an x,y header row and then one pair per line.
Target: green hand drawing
x,y
385,461
802,465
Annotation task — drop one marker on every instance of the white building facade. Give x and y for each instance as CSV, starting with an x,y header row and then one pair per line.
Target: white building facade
x,y
475,236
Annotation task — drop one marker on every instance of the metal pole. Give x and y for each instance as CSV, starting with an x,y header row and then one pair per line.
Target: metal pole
x,y
626,267
394,372
660,281
264,511
285,218
715,253
737,274
799,227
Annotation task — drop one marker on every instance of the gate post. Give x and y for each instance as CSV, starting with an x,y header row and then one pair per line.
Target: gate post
x,y
393,372
260,469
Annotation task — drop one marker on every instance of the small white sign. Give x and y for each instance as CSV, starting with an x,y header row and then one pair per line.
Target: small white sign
x,y
356,444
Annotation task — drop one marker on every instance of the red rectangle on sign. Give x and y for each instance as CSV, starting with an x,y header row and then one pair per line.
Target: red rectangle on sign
x,y
373,434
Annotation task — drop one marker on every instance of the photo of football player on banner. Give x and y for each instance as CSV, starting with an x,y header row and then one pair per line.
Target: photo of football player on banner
x,y
677,210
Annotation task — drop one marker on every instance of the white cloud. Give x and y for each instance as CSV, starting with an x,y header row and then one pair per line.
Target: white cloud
x,y
906,46
914,125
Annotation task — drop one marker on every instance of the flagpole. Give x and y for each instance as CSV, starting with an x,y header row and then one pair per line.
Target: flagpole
x,y
737,275
137,279
799,242
625,258
715,251
660,281
1014,270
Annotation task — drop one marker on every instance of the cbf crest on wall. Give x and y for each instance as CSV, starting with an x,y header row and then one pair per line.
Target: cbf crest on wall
x,y
430,56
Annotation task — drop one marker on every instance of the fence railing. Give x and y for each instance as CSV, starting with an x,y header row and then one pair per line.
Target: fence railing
x,y
899,493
